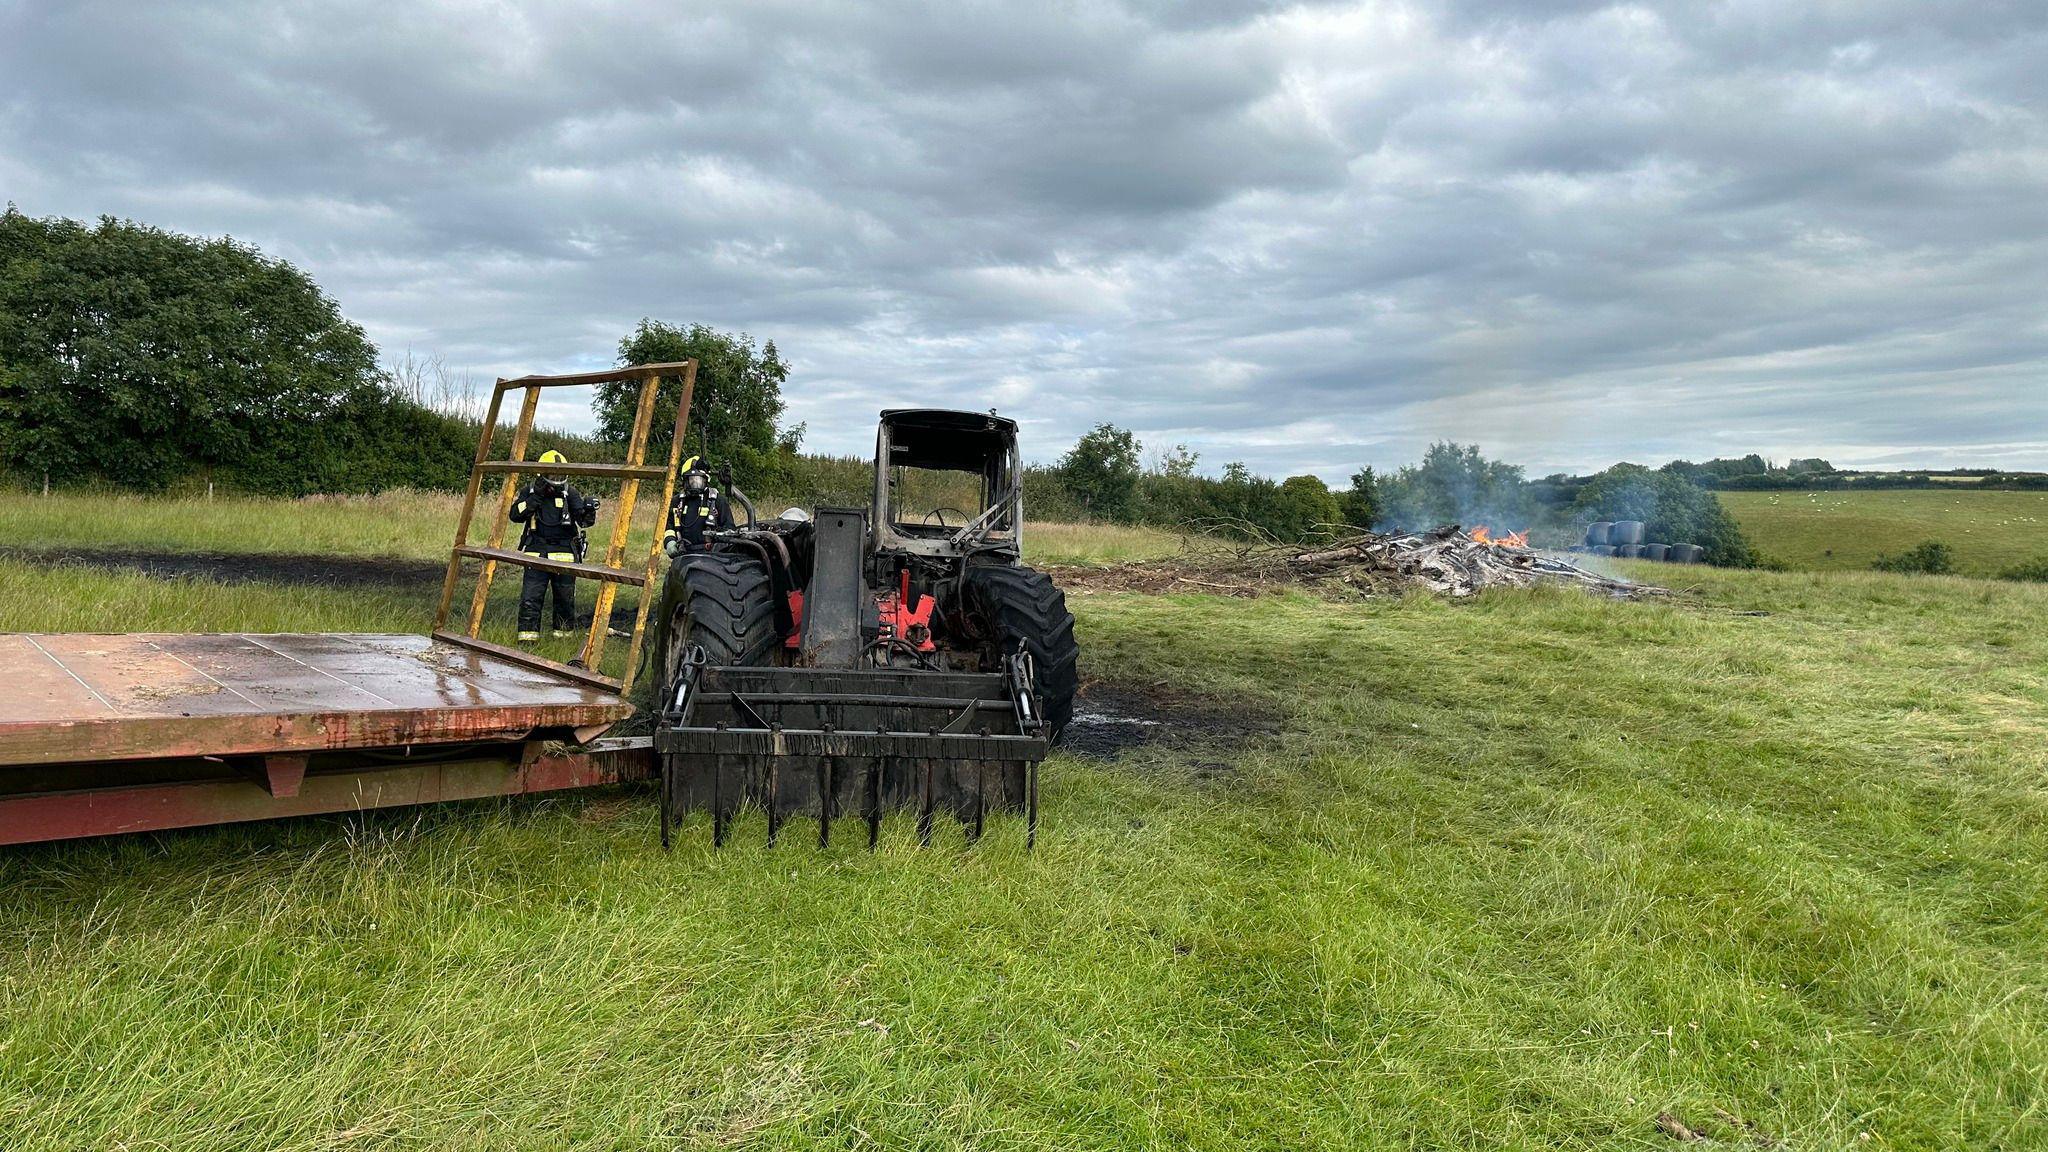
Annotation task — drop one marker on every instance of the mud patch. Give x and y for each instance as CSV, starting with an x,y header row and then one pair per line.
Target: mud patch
x,y
384,572
245,567
1110,718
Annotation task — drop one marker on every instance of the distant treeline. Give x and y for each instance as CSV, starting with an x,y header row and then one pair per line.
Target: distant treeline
x,y
1102,478
1752,473
147,360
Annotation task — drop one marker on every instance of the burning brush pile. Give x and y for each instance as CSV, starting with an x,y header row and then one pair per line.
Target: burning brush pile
x,y
1448,561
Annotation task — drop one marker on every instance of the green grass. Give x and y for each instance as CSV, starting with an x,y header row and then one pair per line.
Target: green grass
x,y
1516,872
417,525
1832,531
1052,544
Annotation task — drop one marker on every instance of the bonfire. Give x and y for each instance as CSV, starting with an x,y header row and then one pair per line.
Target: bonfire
x,y
1448,561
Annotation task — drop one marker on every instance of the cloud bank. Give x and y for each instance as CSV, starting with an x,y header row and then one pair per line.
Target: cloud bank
x,y
1308,237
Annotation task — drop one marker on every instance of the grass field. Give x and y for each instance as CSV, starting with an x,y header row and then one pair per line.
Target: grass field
x,y
1519,872
1831,531
415,525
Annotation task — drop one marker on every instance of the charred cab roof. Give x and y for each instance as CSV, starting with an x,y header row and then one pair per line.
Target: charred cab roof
x,y
943,438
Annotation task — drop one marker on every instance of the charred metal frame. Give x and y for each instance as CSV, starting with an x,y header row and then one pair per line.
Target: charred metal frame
x,y
865,739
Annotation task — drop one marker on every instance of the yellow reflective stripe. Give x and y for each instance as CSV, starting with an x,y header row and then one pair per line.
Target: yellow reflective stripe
x,y
561,556
520,507
558,501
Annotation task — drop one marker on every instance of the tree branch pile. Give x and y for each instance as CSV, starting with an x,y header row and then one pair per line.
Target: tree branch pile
x,y
1445,560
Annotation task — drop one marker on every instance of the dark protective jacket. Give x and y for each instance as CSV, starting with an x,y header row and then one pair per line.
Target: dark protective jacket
x,y
691,516
555,516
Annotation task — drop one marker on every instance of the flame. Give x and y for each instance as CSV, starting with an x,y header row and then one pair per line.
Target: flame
x,y
1484,535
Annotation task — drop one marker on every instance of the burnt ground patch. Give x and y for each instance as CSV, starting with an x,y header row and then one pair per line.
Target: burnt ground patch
x,y
1112,717
245,567
383,572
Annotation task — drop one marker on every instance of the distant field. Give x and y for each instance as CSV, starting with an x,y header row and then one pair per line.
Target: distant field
x,y
413,525
1847,530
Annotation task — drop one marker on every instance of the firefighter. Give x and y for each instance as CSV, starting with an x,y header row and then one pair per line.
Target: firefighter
x,y
698,508
555,515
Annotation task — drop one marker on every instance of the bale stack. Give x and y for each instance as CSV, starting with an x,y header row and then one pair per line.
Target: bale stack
x,y
1625,539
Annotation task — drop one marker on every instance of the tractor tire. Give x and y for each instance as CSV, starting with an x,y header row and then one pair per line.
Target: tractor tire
x,y
1026,609
722,602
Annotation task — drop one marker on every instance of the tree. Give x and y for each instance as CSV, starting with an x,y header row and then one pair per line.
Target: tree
x,y
1180,460
1673,511
140,356
1931,557
1455,484
1361,504
733,412
1304,505
1101,471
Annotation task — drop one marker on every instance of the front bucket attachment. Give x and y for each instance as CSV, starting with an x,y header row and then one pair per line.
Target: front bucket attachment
x,y
837,742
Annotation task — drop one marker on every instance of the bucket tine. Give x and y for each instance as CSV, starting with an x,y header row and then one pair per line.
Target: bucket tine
x,y
874,801
718,816
668,772
718,797
1031,806
924,810
980,795
825,766
774,800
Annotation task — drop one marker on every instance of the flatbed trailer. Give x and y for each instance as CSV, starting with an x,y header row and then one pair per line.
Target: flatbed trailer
x,y
112,733
135,732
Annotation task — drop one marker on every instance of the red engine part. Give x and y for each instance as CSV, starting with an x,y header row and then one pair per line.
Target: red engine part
x,y
906,618
796,618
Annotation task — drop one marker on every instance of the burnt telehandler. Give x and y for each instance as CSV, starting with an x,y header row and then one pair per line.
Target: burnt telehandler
x,y
856,660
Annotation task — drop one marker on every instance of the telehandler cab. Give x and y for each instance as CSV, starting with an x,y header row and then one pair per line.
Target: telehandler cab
x,y
860,659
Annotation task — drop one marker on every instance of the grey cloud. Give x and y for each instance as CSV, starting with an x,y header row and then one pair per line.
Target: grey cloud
x,y
1307,236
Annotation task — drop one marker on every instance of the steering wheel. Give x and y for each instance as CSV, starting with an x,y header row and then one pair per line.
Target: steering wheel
x,y
939,514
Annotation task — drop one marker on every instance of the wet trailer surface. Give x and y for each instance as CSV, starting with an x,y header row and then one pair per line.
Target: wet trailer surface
x,y
120,733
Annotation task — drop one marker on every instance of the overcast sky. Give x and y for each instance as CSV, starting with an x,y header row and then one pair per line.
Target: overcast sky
x,y
1307,237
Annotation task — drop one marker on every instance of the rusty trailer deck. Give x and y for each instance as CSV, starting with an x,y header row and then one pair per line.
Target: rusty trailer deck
x,y
116,733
